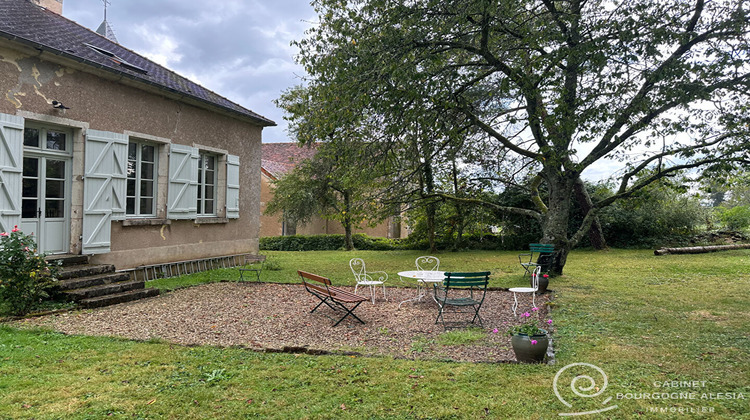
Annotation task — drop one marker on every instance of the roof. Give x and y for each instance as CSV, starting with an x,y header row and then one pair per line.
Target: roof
x,y
278,159
26,23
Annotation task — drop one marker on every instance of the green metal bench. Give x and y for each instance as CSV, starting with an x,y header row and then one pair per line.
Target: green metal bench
x,y
253,264
529,261
461,291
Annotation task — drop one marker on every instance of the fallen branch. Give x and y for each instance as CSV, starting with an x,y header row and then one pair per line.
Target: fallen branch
x,y
700,249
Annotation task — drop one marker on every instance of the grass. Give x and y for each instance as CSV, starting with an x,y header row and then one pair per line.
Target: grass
x,y
644,320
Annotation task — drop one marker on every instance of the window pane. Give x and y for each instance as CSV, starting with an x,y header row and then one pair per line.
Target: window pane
x,y
147,188
31,137
55,189
31,167
55,169
209,192
30,187
130,206
132,151
147,153
28,209
147,205
210,178
210,163
55,140
130,188
54,208
209,209
147,170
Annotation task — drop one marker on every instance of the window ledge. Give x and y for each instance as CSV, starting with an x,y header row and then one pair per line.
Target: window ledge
x,y
211,220
146,222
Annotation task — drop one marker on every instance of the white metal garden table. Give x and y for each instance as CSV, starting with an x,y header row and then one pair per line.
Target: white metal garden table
x,y
424,279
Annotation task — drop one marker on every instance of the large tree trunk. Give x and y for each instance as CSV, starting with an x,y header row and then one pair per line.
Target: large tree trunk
x,y
555,225
348,223
596,236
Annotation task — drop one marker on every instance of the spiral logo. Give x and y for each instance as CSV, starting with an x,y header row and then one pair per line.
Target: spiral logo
x,y
584,386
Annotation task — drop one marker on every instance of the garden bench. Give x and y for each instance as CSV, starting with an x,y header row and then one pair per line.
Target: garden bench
x,y
539,255
333,297
253,264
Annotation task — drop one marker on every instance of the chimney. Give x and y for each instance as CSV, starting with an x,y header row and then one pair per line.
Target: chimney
x,y
51,5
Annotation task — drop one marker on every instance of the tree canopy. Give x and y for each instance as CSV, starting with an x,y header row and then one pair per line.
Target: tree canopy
x,y
531,88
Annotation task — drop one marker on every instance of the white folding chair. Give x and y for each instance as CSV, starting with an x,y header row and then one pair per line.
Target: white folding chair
x,y
534,287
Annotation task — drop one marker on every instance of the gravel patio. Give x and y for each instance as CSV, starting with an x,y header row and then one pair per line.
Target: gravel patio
x,y
275,317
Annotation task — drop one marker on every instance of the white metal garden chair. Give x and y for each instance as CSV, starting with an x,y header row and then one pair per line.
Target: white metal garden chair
x,y
427,263
534,287
371,279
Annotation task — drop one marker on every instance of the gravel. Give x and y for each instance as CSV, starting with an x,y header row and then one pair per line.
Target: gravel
x,y
275,317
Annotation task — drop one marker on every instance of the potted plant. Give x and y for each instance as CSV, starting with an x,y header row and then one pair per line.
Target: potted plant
x,y
529,341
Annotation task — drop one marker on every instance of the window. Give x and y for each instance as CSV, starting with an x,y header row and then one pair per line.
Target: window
x,y
141,182
45,139
206,185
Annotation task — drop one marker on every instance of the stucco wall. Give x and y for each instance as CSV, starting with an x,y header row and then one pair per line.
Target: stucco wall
x,y
98,101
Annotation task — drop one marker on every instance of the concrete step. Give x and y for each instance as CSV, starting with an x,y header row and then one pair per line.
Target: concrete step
x,y
84,270
95,280
128,296
104,289
67,260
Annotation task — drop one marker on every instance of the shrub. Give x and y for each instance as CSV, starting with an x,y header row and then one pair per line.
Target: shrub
x,y
737,218
325,243
25,276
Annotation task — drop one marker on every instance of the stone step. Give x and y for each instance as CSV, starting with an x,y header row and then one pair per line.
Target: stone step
x,y
84,270
67,260
104,289
95,280
128,296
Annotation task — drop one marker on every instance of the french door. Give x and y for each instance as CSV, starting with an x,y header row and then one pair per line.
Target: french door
x,y
45,201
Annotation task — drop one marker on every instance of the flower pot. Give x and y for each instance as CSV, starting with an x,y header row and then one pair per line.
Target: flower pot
x,y
543,283
527,352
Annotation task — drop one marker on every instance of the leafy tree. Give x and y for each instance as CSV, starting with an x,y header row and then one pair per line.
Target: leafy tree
x,y
327,186
547,87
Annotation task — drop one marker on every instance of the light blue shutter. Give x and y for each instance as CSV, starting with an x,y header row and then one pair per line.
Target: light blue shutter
x,y
233,187
11,167
103,187
182,195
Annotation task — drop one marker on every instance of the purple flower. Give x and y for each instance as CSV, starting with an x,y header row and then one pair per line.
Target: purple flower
x,y
526,314
535,309
494,331
549,321
533,342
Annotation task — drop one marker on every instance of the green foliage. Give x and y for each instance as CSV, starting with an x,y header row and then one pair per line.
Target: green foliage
x,y
737,218
531,326
25,276
461,337
325,243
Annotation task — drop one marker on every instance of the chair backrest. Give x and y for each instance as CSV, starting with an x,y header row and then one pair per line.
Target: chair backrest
x,y
316,278
358,269
478,279
542,248
427,263
535,277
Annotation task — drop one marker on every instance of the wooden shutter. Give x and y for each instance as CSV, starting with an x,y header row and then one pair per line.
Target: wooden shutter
x,y
182,195
233,187
11,168
104,181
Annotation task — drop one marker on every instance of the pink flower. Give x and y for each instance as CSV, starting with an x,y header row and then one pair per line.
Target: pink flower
x,y
546,275
533,342
534,309
15,228
3,234
526,314
494,331
549,321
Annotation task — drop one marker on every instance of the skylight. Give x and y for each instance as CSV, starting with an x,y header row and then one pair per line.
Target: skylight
x,y
112,56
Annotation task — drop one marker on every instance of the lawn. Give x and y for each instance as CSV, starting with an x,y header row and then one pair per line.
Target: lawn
x,y
671,328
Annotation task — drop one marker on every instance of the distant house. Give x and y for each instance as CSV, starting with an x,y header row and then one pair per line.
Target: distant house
x,y
104,152
278,160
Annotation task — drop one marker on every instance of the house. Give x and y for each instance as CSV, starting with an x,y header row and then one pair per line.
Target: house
x,y
279,159
106,153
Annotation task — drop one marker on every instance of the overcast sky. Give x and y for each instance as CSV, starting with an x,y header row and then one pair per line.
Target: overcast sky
x,y
240,49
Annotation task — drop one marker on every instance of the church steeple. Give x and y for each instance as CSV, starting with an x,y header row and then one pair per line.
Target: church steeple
x,y
104,29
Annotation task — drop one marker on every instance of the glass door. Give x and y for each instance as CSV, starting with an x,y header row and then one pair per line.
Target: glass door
x,y
43,208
